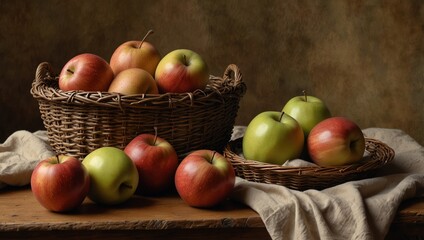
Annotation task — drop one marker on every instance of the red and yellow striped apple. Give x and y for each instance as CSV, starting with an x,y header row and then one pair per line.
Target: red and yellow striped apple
x,y
156,161
135,54
60,183
181,71
204,178
336,141
86,72
134,81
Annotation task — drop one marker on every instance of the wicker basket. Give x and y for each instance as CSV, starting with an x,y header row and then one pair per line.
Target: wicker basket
x,y
79,122
377,155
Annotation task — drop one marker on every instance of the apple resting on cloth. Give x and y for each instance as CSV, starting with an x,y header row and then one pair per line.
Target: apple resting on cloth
x,y
60,183
273,137
204,178
134,81
336,141
156,161
181,71
114,177
135,54
86,72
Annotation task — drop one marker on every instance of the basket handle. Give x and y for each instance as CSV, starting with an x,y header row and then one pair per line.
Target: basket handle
x,y
233,70
44,71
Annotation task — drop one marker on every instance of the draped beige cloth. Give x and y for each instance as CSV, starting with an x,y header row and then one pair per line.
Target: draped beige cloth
x,y
362,209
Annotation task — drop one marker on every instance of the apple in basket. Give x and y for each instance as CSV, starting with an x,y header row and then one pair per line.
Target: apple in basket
x,y
336,141
135,54
86,72
180,71
134,81
273,137
307,110
60,183
114,177
156,161
204,178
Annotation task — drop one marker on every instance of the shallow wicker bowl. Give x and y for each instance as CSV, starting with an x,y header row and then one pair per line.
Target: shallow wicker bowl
x,y
376,156
79,122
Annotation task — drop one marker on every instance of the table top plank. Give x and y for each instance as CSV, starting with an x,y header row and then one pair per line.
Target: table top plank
x,y
21,211
21,215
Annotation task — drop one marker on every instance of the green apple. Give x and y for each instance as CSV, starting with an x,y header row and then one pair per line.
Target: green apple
x,y
113,175
307,110
273,137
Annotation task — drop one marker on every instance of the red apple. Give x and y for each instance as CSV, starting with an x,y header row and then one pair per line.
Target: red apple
x,y
156,161
336,141
60,183
135,54
86,72
134,81
181,71
204,178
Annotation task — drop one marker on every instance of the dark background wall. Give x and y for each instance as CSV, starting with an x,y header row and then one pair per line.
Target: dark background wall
x,y
364,58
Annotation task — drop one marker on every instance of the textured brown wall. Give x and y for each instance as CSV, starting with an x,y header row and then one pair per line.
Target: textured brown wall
x,y
364,58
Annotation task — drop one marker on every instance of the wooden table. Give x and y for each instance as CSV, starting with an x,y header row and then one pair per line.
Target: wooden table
x,y
21,217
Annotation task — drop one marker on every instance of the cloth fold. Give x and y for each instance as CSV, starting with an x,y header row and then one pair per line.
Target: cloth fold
x,y
362,209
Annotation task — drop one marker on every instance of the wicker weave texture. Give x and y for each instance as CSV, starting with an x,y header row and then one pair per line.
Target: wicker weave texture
x,y
79,122
376,156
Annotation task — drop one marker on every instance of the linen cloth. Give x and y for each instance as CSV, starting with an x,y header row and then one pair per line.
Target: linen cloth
x,y
362,209
19,154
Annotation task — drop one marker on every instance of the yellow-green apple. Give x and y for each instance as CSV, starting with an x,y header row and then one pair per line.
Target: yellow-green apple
x,y
134,81
114,177
336,141
273,137
86,72
156,161
307,110
204,178
180,71
135,54
60,183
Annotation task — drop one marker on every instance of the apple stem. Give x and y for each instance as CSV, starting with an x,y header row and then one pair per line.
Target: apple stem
x,y
213,155
185,60
304,94
70,71
57,158
147,34
156,135
281,116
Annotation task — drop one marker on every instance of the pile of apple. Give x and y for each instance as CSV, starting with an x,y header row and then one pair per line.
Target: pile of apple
x,y
147,166
303,129
136,67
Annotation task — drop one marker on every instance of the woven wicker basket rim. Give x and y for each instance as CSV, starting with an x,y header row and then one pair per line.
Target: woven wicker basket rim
x,y
45,87
379,154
